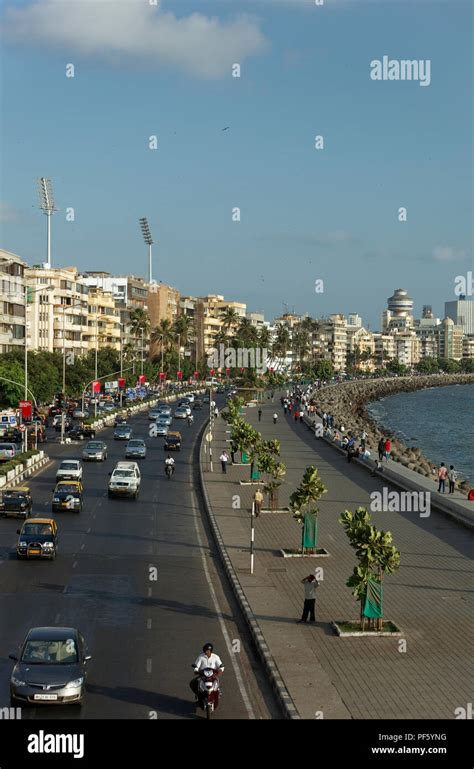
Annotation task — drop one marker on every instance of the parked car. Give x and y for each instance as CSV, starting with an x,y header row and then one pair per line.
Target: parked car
x,y
50,668
17,502
69,470
125,480
67,495
38,538
95,451
136,449
123,433
7,451
172,442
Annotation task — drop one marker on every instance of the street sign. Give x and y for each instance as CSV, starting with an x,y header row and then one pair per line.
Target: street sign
x,y
111,385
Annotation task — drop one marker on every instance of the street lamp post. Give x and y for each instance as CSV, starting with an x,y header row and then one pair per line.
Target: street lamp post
x,y
142,331
29,291
63,308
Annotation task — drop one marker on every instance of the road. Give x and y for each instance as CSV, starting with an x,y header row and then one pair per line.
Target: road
x,y
143,629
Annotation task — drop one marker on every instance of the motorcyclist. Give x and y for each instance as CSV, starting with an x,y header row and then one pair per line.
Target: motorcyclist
x,y
169,462
190,420
205,660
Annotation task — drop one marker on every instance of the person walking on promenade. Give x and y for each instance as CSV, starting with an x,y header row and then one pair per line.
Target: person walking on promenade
x,y
290,407
275,417
363,439
325,419
297,413
260,415
272,395
442,475
451,478
216,412
232,452
224,458
310,585
388,448
381,448
285,407
258,501
301,415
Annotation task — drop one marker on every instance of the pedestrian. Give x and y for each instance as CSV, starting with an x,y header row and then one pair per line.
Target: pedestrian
x,y
272,396
377,467
275,417
442,475
232,452
301,415
285,407
388,448
325,416
290,407
381,448
310,585
216,412
451,478
258,500
260,415
224,458
297,413
363,439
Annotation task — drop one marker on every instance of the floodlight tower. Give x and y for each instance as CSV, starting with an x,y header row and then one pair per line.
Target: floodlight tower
x,y
47,206
149,241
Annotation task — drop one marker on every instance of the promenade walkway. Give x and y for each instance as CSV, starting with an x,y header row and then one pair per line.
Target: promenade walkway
x,y
430,597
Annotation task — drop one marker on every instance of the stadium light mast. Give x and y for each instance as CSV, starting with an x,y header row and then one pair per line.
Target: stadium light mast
x,y
149,241
47,206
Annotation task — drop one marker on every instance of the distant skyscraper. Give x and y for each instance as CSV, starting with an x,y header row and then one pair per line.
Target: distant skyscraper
x,y
462,313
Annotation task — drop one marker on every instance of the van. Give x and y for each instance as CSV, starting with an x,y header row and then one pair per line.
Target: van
x,y
7,451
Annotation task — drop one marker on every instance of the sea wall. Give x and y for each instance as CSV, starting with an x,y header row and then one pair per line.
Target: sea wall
x,y
347,402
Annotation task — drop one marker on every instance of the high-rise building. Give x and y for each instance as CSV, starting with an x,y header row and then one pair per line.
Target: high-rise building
x,y
57,317
12,301
129,292
462,313
103,321
163,303
399,313
450,340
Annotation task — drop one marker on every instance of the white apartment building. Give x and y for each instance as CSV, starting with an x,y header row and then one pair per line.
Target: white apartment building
x,y
12,301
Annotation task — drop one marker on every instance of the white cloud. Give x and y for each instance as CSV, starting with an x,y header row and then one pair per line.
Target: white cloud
x,y
448,254
132,29
7,213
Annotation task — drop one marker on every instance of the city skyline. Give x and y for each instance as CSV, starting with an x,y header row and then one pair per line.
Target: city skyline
x,y
307,214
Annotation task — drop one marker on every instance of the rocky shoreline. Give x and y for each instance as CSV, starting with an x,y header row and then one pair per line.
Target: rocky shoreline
x,y
347,402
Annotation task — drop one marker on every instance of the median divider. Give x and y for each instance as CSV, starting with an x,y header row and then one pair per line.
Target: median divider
x,y
18,475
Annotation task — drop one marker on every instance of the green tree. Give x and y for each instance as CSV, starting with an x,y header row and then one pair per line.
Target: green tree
x,y
324,370
449,365
428,365
377,557
303,503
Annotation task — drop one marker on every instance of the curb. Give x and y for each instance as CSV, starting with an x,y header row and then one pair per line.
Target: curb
x,y
26,474
274,674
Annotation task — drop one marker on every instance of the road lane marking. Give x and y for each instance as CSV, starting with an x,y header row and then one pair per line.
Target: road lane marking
x,y
148,665
233,657
148,624
88,530
82,546
74,564
56,619
149,592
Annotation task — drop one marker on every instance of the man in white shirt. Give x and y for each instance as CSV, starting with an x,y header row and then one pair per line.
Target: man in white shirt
x,y
310,584
206,660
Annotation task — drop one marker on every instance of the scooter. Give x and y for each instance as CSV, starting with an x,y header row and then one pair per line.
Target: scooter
x,y
169,470
208,691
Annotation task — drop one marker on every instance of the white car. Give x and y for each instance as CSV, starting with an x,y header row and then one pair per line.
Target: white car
x,y
190,397
69,470
161,429
164,420
125,480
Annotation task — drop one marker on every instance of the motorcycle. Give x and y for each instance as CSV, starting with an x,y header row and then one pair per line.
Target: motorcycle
x,y
208,691
169,470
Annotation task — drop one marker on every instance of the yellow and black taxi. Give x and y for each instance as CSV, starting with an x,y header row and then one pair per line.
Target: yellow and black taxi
x,y
38,538
17,502
172,442
67,495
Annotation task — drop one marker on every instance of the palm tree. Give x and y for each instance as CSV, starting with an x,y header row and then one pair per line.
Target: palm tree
x,y
162,338
184,327
282,341
139,321
221,337
246,333
264,337
229,317
300,343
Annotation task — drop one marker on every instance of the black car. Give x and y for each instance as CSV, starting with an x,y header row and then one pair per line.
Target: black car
x,y
17,502
172,442
50,668
197,406
80,432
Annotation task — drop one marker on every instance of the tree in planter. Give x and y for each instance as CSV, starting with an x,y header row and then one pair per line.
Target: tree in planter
x,y
303,506
377,557
231,413
243,436
275,471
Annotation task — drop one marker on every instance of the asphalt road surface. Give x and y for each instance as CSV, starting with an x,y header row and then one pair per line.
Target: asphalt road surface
x,y
143,633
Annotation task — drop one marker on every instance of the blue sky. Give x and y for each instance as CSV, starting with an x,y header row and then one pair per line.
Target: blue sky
x,y
306,214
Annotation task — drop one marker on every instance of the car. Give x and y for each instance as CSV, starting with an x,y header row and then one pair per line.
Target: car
x,y
161,429
69,470
57,423
136,448
67,495
95,451
182,412
50,668
172,442
197,405
80,432
164,420
16,502
7,451
38,538
206,399
109,407
125,480
120,420
164,411
189,398
80,414
153,414
123,433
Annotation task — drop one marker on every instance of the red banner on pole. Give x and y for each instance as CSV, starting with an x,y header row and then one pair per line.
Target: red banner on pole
x,y
96,386
121,383
212,371
227,371
142,379
196,375
179,374
162,376
26,409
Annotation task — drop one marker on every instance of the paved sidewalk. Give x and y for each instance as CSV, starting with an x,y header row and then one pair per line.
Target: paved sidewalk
x,y
430,597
